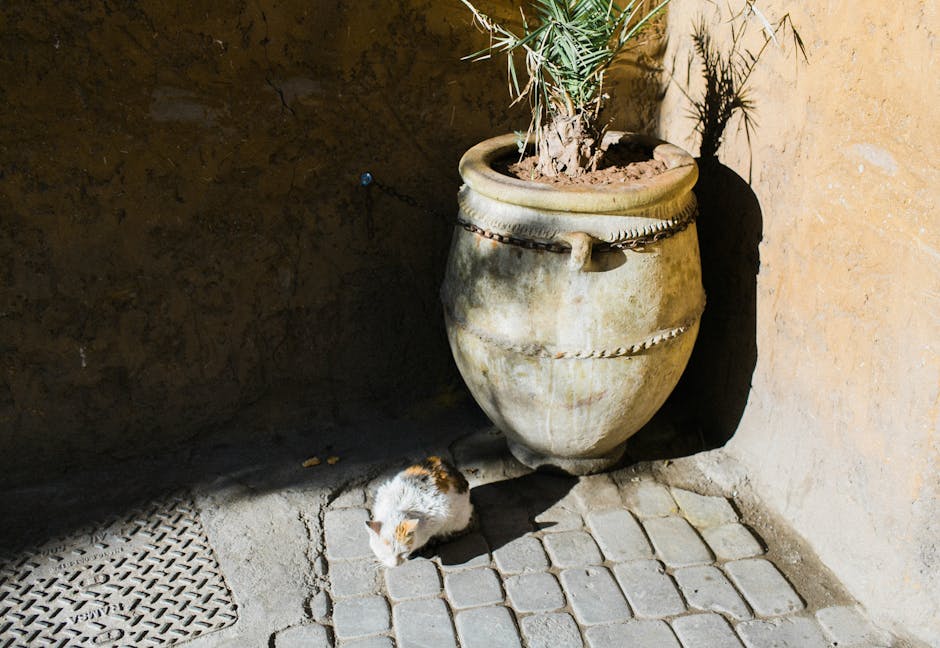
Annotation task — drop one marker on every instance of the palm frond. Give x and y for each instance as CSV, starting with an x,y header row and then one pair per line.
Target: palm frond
x,y
568,46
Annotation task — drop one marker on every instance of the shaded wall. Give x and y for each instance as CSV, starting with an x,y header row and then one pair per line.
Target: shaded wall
x,y
182,229
840,429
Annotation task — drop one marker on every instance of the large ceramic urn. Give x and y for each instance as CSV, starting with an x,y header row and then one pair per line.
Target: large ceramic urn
x,y
572,311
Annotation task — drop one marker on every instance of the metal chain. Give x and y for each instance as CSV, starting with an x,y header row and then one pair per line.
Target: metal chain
x,y
513,240
636,243
368,180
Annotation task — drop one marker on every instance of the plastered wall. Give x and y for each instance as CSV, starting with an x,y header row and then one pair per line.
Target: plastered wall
x,y
840,429
183,234
182,230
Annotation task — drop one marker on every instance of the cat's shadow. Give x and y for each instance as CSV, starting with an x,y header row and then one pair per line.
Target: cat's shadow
x,y
506,511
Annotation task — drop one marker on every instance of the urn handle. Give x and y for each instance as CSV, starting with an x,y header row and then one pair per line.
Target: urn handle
x,y
581,245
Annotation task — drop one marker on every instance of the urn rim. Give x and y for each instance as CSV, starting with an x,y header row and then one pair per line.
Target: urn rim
x,y
639,195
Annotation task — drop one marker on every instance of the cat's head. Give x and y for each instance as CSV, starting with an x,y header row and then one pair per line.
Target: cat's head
x,y
392,544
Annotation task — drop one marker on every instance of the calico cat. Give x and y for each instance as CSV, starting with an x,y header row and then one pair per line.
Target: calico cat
x,y
428,500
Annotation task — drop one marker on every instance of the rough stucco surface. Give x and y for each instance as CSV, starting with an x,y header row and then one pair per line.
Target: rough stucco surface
x,y
182,232
840,430
182,229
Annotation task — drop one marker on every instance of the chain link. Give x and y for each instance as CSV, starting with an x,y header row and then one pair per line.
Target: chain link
x,y
368,180
513,240
397,195
636,243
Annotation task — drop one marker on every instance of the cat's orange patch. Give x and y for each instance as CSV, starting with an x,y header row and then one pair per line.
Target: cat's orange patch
x,y
417,470
405,530
445,476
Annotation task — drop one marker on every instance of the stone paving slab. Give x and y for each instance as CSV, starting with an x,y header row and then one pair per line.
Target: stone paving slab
x,y
521,555
465,552
797,632
371,642
732,542
649,499
511,522
847,626
703,510
535,593
311,635
354,578
676,542
649,589
594,595
346,534
484,458
320,606
619,535
554,630
558,519
572,548
424,623
354,618
705,631
642,632
490,627
473,588
417,578
596,492
706,588
764,587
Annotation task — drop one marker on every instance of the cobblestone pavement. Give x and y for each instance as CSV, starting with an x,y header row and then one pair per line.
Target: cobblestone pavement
x,y
554,562
625,559
559,563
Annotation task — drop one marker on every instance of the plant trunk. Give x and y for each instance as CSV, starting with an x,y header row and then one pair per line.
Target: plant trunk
x,y
570,144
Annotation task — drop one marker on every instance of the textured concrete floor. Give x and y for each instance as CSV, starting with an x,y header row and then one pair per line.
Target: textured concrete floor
x,y
250,548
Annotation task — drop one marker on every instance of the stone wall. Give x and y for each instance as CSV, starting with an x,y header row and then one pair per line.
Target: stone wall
x,y
840,428
182,229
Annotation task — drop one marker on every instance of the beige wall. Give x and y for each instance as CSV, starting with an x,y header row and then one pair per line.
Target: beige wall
x,y
840,430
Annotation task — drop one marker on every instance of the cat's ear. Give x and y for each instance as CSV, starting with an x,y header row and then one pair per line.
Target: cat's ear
x,y
374,526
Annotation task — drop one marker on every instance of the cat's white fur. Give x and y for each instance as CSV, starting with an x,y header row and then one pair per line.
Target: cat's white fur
x,y
438,514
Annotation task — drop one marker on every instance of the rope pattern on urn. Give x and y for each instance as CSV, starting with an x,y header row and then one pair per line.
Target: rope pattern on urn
x,y
541,351
632,239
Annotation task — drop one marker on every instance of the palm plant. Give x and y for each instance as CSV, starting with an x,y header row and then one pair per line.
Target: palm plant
x,y
567,51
